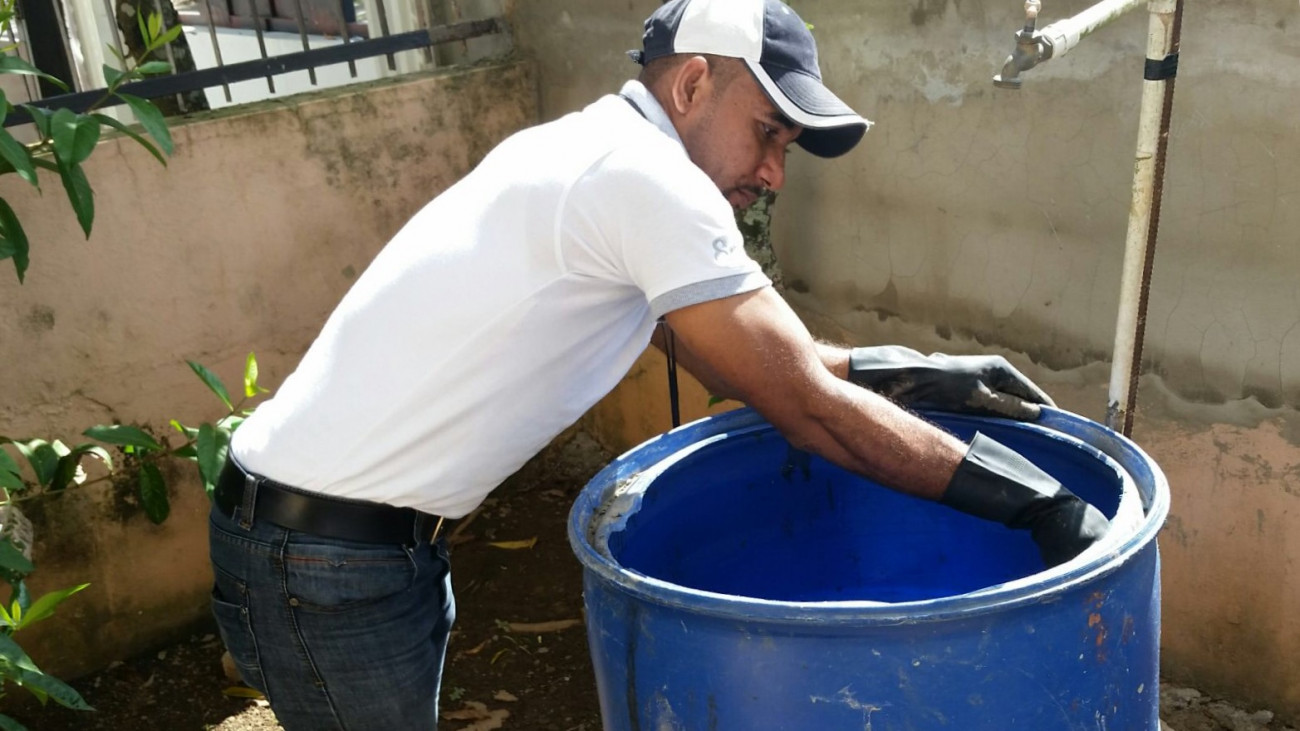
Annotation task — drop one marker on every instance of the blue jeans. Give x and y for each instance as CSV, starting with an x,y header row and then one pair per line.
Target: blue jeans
x,y
339,636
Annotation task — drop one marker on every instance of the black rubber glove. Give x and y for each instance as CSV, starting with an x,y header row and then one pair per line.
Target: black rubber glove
x,y
995,483
986,385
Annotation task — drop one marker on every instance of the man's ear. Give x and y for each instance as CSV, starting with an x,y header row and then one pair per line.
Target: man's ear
x,y
692,85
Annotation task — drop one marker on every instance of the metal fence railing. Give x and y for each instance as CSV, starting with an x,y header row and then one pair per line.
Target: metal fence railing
x,y
235,42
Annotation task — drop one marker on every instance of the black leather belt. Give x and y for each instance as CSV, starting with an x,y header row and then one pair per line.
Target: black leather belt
x,y
322,515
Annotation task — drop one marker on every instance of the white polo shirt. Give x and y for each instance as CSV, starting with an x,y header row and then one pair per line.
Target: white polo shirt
x,y
501,312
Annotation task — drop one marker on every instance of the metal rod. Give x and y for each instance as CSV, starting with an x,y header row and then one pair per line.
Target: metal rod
x,y
343,29
383,29
261,40
1163,32
216,47
117,36
302,32
171,57
429,22
13,40
63,36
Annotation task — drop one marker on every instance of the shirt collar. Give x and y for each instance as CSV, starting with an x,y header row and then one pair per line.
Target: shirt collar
x,y
649,107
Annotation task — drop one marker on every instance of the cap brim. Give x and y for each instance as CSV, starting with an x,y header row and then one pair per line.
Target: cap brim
x,y
830,127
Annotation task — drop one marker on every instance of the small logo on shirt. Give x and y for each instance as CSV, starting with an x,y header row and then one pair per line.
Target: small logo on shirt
x,y
725,251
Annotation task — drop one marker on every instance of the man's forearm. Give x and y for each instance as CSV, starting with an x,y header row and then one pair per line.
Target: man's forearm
x,y
868,434
835,358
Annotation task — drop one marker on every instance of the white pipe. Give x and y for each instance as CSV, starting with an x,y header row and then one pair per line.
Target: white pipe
x,y
1065,34
1159,45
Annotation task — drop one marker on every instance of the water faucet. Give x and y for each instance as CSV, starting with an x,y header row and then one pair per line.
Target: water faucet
x,y
1031,49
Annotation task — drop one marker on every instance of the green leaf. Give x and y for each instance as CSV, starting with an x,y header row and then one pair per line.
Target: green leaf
x,y
213,383
12,653
117,125
123,435
167,37
80,195
87,136
97,451
13,560
14,65
65,471
69,462
155,26
150,118
188,431
153,68
212,446
6,619
14,241
63,131
40,118
10,475
8,724
251,388
143,25
61,692
43,608
17,155
11,481
112,75
42,457
186,452
21,598
153,493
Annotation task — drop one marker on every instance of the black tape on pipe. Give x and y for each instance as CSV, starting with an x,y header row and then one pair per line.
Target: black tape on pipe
x,y
1159,70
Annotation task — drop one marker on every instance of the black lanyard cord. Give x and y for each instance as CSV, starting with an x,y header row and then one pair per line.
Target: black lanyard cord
x,y
669,349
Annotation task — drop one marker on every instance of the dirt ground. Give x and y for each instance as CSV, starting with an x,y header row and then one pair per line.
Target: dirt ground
x,y
501,673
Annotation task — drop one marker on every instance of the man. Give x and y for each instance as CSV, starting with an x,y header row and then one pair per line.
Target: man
x,y
515,300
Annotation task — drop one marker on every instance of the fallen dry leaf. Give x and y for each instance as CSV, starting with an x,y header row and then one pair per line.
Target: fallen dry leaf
x,y
239,691
463,524
504,695
534,627
476,649
514,545
484,719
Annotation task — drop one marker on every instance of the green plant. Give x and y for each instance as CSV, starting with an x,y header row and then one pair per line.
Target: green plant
x,y
206,445
15,665
54,466
67,138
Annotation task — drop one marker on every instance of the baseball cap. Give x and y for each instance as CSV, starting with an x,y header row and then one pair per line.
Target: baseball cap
x,y
779,50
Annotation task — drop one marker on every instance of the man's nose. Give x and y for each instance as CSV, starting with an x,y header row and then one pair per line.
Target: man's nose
x,y
771,171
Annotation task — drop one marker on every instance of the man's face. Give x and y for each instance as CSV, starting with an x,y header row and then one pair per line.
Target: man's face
x,y
739,139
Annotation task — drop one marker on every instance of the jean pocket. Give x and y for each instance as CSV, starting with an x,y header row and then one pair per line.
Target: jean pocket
x,y
344,576
230,608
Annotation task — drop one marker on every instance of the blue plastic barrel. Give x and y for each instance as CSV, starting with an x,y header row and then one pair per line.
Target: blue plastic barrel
x,y
734,583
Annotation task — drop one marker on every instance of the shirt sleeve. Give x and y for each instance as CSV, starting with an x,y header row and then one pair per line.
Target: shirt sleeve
x,y
652,219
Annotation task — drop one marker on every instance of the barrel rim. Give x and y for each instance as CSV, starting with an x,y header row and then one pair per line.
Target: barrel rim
x,y
1150,481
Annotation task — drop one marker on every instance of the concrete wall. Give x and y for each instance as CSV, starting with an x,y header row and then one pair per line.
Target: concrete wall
x,y
974,219
246,241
